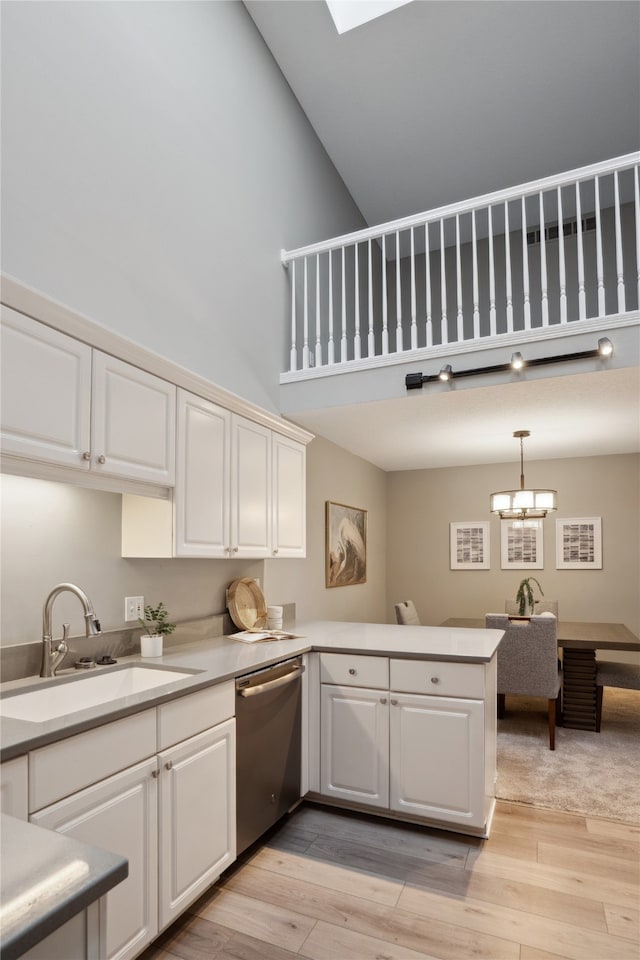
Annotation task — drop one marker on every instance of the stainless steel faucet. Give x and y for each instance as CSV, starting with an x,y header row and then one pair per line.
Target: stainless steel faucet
x,y
52,652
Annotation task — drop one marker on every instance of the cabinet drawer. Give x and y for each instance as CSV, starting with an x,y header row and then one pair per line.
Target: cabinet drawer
x,y
439,678
59,769
354,671
180,719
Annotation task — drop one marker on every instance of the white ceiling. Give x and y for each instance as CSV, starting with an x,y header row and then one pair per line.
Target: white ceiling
x,y
441,100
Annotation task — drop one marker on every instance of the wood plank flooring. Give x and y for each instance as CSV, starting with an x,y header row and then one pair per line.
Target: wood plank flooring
x,y
332,885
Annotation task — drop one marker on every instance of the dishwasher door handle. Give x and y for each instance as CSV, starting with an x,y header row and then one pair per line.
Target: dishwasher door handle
x,y
271,684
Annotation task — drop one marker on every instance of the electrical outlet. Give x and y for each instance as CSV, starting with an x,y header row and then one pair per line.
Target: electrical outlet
x,y
133,608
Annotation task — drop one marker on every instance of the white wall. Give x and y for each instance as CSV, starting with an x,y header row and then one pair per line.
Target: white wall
x,y
154,164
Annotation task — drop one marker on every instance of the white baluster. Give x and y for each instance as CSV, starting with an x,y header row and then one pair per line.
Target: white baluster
x,y
599,261
507,261
427,284
636,194
399,343
385,329
343,341
476,294
318,340
525,269
582,295
293,355
492,279
562,271
459,317
414,326
331,353
619,263
544,293
305,344
371,343
444,333
356,339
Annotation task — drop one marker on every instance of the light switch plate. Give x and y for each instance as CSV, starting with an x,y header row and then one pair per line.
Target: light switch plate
x,y
133,608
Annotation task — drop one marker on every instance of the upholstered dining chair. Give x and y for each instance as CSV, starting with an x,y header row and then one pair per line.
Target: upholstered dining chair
x,y
613,673
512,607
406,613
528,663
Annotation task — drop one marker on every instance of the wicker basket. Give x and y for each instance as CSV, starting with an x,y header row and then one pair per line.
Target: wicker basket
x,y
246,604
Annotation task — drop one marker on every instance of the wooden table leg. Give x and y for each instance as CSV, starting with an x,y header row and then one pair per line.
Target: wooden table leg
x,y
579,688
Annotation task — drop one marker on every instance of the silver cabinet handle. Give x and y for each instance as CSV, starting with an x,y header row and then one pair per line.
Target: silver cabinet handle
x,y
102,458
235,549
86,455
352,671
383,699
435,679
275,551
168,765
394,703
155,774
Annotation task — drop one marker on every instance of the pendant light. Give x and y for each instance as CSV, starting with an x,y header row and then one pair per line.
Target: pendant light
x,y
523,504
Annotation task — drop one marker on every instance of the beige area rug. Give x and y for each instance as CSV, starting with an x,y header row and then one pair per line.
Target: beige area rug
x,y
597,774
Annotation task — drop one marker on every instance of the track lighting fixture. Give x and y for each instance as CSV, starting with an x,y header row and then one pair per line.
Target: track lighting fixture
x,y
414,381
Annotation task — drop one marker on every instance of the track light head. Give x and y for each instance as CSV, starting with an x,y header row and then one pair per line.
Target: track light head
x,y
517,361
605,347
446,373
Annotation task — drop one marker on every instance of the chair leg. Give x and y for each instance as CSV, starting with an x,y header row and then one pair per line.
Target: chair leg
x,y
501,705
599,695
552,723
559,709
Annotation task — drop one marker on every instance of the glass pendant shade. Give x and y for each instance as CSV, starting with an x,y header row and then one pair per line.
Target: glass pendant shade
x,y
523,504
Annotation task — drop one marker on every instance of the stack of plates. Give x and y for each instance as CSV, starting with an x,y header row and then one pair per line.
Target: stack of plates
x,y
246,604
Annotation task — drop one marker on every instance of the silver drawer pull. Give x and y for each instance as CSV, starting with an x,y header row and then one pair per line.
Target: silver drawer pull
x,y
435,679
394,703
383,699
168,765
352,671
102,458
155,774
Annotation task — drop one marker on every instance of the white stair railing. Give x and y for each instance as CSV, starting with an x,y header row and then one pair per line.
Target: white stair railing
x,y
547,253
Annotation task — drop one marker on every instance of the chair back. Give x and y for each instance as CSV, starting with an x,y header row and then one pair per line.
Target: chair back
x,y
406,613
512,607
527,655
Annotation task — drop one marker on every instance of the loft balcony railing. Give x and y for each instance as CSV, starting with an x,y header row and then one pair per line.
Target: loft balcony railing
x,y
527,262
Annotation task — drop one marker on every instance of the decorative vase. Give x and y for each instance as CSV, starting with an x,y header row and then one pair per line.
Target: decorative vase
x,y
151,646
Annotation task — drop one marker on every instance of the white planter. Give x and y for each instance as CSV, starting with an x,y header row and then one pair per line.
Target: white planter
x,y
151,646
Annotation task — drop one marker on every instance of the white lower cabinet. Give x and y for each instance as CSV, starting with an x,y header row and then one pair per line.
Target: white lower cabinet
x,y
172,815
197,817
412,753
119,814
354,753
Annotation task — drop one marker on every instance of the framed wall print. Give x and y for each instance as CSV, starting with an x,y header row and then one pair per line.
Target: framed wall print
x,y
579,543
346,545
521,545
469,545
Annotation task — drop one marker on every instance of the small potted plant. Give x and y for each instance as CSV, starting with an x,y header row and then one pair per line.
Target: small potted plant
x,y
525,597
156,627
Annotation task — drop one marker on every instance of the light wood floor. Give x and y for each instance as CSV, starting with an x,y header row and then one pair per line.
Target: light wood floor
x,y
330,885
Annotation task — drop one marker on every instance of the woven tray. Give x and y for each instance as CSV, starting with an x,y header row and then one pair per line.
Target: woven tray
x,y
246,604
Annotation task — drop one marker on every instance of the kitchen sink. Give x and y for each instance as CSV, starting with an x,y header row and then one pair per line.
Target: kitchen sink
x,y
69,695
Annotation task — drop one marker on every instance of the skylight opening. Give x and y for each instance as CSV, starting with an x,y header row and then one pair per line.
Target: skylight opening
x,y
348,14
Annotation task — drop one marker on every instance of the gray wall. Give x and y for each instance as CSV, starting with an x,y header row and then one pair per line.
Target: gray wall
x,y
422,503
154,164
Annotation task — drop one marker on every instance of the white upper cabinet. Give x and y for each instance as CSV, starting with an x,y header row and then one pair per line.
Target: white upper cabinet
x,y
66,404
250,489
289,485
203,478
46,393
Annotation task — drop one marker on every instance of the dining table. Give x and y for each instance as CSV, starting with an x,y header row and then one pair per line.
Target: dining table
x,y
578,642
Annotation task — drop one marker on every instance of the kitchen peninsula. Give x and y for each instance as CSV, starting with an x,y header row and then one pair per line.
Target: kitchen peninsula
x,y
396,720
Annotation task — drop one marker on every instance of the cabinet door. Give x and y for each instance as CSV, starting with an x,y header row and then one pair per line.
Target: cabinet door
x,y
14,788
203,470
437,758
289,521
133,422
120,815
250,489
354,744
46,392
197,816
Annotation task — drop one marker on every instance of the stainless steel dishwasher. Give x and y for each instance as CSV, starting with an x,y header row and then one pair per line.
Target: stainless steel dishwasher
x,y
268,743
